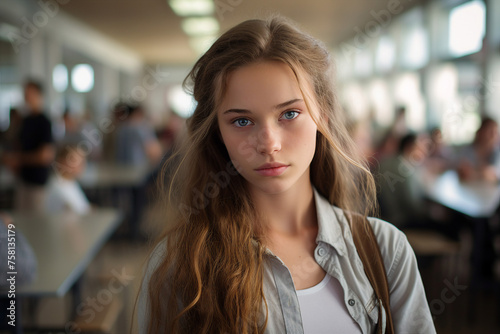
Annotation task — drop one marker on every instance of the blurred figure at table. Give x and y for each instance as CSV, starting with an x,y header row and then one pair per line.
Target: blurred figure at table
x,y
25,260
136,142
118,115
64,192
25,266
440,156
72,133
388,143
36,152
172,131
399,128
401,197
82,132
480,160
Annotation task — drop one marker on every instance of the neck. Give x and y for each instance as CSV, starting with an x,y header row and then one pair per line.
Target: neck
x,y
290,212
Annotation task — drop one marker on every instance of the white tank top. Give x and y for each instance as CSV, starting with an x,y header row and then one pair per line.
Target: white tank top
x,y
323,309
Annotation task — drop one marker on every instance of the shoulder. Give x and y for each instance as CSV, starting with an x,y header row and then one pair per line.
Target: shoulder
x,y
393,244
409,307
154,260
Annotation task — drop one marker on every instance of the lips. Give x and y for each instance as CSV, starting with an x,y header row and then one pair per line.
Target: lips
x,y
272,169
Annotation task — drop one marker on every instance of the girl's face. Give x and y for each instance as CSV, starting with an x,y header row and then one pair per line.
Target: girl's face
x,y
266,127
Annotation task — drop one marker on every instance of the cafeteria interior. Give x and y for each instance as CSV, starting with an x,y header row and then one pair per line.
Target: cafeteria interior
x,y
92,104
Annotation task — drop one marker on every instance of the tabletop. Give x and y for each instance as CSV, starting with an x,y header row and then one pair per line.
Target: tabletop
x,y
95,175
109,175
64,245
477,199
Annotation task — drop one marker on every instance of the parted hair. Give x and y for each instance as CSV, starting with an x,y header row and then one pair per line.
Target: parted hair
x,y
209,278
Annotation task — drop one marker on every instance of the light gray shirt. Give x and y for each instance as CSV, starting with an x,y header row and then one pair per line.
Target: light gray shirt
x,y
336,254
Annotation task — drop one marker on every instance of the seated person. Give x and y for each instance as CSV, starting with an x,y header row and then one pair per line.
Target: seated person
x,y
401,197
400,194
481,159
440,155
26,264
136,142
64,193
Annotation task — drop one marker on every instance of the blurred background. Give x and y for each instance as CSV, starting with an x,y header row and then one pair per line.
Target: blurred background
x,y
91,102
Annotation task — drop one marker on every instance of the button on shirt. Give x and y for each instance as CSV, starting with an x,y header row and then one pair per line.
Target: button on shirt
x,y
337,255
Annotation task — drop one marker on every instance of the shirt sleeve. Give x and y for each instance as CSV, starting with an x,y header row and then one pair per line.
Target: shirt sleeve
x,y
143,299
409,307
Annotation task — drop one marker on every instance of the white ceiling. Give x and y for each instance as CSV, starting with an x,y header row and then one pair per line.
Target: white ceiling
x,y
153,31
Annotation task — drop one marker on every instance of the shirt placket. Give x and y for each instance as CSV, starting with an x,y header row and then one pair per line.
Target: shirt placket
x,y
288,298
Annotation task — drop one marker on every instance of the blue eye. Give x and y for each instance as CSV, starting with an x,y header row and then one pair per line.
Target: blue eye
x,y
241,122
290,114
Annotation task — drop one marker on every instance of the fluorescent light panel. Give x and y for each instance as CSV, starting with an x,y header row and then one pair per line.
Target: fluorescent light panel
x,y
200,26
82,78
192,7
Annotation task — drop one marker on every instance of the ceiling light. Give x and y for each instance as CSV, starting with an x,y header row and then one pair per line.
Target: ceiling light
x,y
192,7
196,26
82,78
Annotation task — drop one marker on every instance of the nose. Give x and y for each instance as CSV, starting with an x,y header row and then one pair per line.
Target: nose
x,y
268,141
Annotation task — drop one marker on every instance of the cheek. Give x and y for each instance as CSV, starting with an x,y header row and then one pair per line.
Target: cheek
x,y
305,137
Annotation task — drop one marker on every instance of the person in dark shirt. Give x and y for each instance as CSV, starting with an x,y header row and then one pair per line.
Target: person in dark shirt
x,y
32,162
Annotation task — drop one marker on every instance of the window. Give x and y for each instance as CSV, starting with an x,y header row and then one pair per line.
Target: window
x,y
466,28
60,78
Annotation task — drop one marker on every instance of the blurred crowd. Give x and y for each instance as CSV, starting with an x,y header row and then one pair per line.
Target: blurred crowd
x,y
403,162
47,156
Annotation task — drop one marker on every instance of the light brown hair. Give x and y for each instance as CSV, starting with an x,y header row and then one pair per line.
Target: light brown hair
x,y
210,276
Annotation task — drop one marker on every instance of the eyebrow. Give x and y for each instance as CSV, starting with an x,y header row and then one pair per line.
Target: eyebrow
x,y
278,106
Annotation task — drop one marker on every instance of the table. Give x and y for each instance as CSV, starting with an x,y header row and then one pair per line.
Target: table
x,y
64,245
106,175
109,182
95,175
118,185
476,199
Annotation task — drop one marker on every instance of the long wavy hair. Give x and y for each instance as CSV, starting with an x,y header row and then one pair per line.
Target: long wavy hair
x,y
210,276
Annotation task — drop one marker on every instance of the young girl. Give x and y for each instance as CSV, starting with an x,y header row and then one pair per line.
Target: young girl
x,y
259,238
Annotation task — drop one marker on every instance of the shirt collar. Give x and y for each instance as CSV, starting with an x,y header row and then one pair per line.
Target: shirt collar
x,y
331,223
